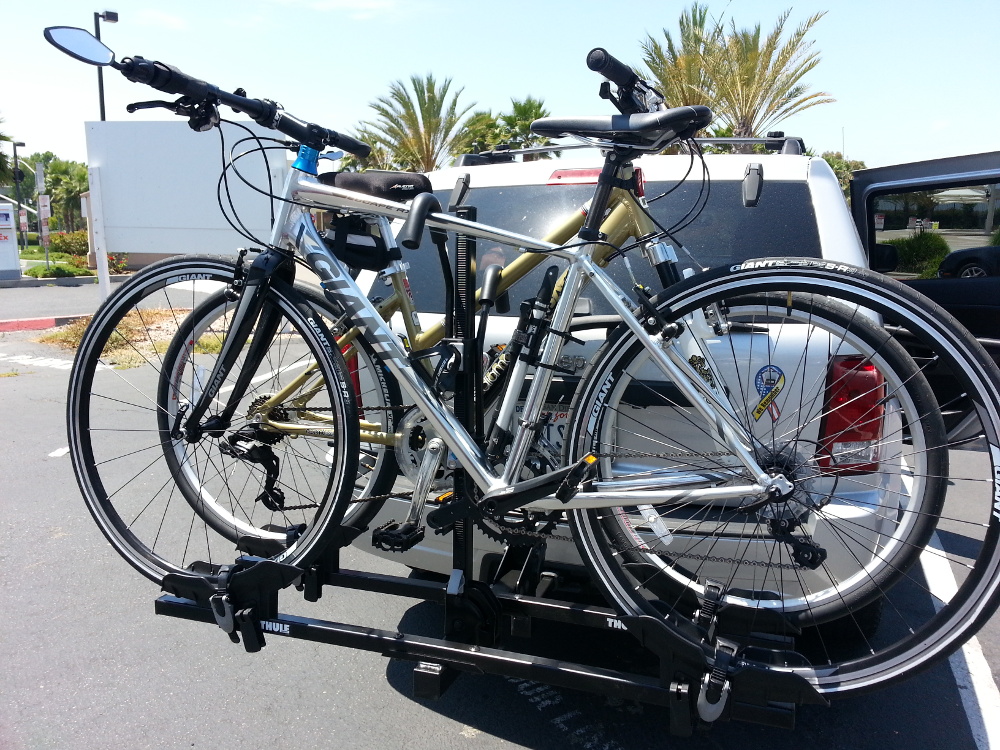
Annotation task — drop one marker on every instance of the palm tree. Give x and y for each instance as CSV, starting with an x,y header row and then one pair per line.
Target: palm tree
x,y
417,127
379,158
678,67
515,126
479,133
756,81
66,181
484,130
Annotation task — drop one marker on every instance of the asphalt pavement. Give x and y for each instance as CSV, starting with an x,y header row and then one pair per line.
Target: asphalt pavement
x,y
88,664
53,301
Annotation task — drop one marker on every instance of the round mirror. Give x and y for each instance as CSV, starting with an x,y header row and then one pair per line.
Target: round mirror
x,y
80,44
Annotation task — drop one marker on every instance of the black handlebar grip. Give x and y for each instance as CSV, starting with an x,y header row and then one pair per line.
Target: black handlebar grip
x,y
413,228
350,145
601,61
163,77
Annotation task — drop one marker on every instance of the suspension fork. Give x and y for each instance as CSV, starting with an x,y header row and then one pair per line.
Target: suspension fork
x,y
252,309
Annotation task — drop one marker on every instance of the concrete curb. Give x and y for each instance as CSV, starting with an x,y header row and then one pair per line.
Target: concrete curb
x,y
37,324
61,281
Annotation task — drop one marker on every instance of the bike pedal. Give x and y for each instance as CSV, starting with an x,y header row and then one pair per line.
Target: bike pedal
x,y
397,537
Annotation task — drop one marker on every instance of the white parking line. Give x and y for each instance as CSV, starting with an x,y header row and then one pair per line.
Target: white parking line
x,y
980,696
59,453
29,361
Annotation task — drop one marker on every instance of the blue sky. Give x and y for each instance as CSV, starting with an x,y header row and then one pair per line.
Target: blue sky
x,y
913,79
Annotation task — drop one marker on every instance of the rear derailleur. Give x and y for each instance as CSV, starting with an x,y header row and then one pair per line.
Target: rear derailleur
x,y
272,497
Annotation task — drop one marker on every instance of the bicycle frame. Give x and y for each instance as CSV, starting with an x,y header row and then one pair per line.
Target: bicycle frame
x,y
294,230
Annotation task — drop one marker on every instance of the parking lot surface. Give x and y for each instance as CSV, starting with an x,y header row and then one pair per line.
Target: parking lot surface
x,y
86,658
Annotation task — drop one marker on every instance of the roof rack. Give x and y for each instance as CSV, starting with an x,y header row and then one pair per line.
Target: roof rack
x,y
776,141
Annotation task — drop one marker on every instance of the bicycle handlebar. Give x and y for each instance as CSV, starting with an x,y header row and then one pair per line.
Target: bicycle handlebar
x,y
264,112
601,61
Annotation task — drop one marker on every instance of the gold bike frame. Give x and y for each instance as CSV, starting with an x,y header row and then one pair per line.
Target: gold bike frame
x,y
625,219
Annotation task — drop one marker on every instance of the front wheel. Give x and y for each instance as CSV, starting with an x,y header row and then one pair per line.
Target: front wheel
x,y
887,513
273,483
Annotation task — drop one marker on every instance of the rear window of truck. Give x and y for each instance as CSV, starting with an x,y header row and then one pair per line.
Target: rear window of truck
x,y
782,224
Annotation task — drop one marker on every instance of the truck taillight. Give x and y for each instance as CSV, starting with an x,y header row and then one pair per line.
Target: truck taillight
x,y
589,177
574,177
851,427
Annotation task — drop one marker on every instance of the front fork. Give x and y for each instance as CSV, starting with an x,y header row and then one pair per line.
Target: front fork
x,y
252,309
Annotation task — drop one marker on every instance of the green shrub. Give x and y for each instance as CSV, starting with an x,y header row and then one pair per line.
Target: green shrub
x,y
32,238
995,238
56,272
921,253
73,243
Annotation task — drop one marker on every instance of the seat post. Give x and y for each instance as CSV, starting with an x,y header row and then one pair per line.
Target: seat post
x,y
613,161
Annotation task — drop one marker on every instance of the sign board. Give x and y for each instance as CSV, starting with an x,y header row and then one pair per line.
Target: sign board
x,y
44,212
24,219
879,222
156,193
10,261
39,177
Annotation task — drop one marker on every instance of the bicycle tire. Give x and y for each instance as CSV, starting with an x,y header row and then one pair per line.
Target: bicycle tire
x,y
378,402
900,570
128,382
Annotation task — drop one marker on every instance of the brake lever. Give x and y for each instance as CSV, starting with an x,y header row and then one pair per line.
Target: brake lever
x,y
135,106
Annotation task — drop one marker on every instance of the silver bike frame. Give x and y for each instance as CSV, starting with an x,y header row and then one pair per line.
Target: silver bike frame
x,y
295,229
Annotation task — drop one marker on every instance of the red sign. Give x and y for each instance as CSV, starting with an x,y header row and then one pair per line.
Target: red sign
x,y
24,219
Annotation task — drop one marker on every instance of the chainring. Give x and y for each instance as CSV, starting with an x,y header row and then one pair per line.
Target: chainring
x,y
516,529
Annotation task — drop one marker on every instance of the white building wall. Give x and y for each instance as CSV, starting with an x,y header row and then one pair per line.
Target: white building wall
x,y
158,187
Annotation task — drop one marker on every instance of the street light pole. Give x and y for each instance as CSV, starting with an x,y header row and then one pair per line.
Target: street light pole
x,y
17,195
108,16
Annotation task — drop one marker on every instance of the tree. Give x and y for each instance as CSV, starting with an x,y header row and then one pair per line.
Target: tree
x,y
379,158
678,67
66,181
842,168
484,131
756,81
479,133
751,81
417,126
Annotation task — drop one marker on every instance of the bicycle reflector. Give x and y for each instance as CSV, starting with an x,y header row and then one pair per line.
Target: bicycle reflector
x,y
851,428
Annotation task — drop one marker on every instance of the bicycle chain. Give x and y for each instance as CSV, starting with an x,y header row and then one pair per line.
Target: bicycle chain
x,y
727,560
404,407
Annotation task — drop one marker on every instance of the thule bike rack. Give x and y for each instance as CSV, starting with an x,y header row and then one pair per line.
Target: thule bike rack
x,y
479,618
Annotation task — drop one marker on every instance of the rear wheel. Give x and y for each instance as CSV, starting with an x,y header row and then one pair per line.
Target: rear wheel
x,y
376,394
881,558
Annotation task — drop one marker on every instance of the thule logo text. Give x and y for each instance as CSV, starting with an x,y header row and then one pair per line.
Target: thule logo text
x,y
275,627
